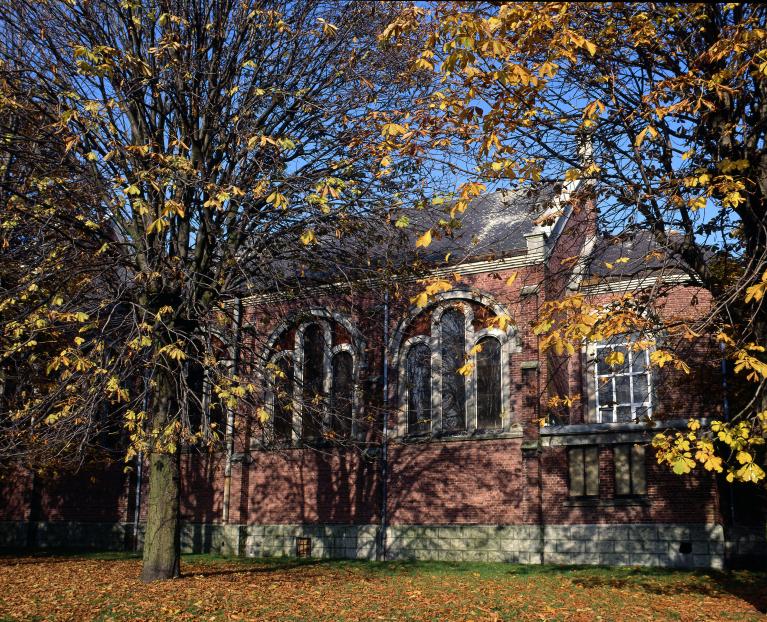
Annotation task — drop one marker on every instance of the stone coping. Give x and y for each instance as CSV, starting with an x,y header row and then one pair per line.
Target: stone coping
x,y
515,431
596,428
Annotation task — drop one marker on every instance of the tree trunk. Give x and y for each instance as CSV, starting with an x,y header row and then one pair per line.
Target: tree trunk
x,y
162,542
760,334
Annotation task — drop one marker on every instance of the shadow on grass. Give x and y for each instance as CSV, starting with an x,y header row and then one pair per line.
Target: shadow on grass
x,y
247,566
61,555
751,587
748,586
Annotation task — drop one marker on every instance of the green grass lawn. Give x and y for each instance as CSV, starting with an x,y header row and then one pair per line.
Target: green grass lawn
x,y
105,587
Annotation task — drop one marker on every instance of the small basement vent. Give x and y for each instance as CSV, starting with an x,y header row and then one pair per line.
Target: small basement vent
x,y
303,547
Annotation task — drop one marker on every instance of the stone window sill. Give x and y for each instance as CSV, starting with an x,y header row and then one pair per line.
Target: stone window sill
x,y
606,433
602,503
258,445
592,428
477,435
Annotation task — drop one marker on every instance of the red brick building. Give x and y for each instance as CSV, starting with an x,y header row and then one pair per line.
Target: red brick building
x,y
376,447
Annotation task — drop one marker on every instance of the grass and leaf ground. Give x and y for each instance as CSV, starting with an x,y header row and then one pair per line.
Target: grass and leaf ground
x,y
105,587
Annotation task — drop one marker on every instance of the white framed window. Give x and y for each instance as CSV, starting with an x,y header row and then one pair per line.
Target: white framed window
x,y
434,398
622,390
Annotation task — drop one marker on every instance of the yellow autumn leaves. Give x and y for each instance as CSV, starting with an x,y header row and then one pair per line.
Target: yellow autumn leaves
x,y
756,292
685,450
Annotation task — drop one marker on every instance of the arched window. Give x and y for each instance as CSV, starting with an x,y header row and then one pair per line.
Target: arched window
x,y
489,384
282,404
311,372
342,394
419,389
623,389
454,380
313,379
453,344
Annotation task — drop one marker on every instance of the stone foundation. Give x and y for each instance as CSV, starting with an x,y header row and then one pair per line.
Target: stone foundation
x,y
66,535
327,541
691,546
671,545
746,547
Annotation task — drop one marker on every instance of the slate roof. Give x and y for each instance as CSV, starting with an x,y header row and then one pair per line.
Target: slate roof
x,y
493,226
642,251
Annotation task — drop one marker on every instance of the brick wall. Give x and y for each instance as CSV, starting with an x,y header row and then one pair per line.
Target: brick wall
x,y
467,482
202,481
305,486
14,494
670,498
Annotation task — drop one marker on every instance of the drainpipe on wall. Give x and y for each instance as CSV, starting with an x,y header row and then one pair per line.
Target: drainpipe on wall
x,y
137,504
539,449
726,413
234,355
381,553
725,398
140,472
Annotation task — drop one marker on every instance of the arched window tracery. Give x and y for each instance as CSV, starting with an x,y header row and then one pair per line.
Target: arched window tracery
x,y
454,380
312,390
453,350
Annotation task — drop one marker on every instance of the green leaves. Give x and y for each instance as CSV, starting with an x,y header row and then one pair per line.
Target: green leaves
x,y
402,222
683,451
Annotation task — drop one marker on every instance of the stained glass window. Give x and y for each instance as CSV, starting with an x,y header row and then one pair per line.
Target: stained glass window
x,y
313,375
453,339
419,389
341,394
283,400
489,384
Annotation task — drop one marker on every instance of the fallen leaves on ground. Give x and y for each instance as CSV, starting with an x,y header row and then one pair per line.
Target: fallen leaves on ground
x,y
64,588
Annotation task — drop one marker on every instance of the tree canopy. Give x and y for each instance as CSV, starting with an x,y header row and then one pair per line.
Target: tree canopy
x,y
160,159
660,108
